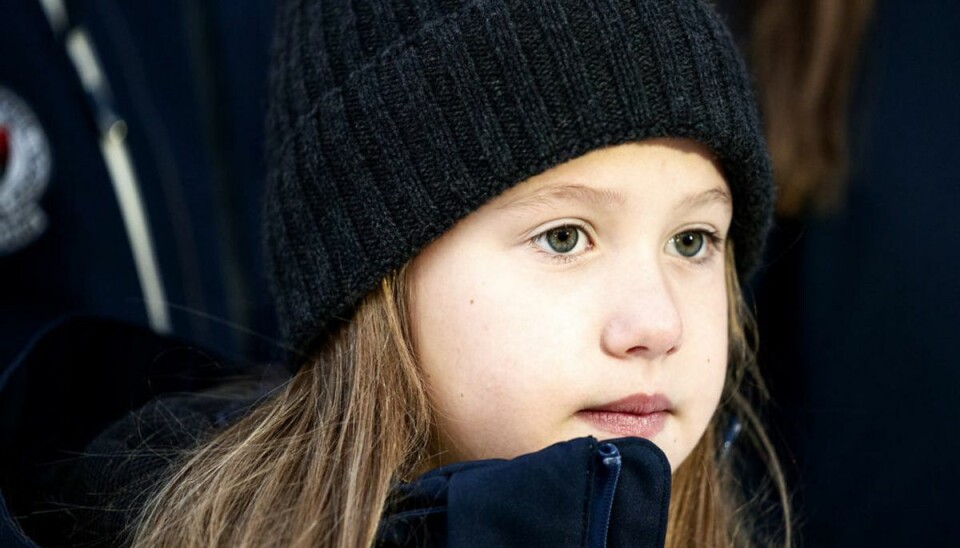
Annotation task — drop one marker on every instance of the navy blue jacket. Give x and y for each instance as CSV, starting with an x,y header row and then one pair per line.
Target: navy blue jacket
x,y
69,485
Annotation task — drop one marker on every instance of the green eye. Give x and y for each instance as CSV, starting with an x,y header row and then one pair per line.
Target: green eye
x,y
563,239
689,244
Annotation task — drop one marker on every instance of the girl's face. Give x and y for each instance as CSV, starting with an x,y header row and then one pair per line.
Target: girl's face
x,y
588,300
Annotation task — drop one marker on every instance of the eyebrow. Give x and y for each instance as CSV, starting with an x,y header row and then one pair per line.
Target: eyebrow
x,y
603,197
706,197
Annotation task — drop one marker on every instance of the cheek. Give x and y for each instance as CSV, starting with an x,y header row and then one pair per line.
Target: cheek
x,y
714,348
705,369
469,344
707,316
497,369
711,375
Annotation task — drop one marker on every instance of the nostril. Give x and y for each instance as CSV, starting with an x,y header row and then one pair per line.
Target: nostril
x,y
638,350
644,350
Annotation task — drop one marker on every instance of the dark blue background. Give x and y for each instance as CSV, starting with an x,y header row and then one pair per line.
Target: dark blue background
x,y
859,310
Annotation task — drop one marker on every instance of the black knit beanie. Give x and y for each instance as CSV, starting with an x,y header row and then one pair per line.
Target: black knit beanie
x,y
392,119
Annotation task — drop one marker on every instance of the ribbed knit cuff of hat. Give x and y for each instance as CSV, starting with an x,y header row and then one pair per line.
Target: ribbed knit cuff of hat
x,y
390,120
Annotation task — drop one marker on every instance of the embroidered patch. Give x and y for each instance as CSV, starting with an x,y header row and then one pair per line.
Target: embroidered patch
x,y
25,164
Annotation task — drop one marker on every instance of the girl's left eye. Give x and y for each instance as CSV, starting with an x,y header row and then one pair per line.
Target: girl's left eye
x,y
563,240
692,243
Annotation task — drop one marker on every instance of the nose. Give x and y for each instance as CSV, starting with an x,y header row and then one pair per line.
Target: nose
x,y
644,320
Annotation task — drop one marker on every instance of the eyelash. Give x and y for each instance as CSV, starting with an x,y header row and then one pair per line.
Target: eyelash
x,y
713,243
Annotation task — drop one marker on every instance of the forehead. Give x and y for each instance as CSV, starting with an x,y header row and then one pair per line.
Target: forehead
x,y
680,173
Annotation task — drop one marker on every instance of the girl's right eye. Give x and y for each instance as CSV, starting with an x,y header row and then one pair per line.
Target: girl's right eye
x,y
565,240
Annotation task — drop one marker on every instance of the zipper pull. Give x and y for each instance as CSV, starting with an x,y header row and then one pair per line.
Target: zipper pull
x,y
604,489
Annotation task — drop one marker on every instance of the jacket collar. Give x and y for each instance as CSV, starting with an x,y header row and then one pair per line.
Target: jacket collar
x,y
581,492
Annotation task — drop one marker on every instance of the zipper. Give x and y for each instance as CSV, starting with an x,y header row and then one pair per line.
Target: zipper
x,y
604,489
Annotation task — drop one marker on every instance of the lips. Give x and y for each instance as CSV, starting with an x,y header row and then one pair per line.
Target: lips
x,y
639,415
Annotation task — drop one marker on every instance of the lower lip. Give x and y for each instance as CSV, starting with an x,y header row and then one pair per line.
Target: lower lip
x,y
626,424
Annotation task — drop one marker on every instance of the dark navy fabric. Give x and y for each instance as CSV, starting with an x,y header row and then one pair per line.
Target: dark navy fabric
x,y
189,79
859,310
76,377
11,535
541,499
83,256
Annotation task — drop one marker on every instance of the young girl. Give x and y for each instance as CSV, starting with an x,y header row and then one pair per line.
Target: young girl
x,y
499,232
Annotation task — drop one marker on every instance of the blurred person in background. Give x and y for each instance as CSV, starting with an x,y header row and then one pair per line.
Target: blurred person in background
x,y
131,168
131,172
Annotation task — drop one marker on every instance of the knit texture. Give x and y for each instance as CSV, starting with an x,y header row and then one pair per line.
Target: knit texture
x,y
392,119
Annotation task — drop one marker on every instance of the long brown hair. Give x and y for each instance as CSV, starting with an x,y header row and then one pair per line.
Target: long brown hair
x,y
804,55
313,466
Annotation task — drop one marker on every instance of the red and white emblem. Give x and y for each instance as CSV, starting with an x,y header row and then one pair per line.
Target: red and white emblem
x,y
25,163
